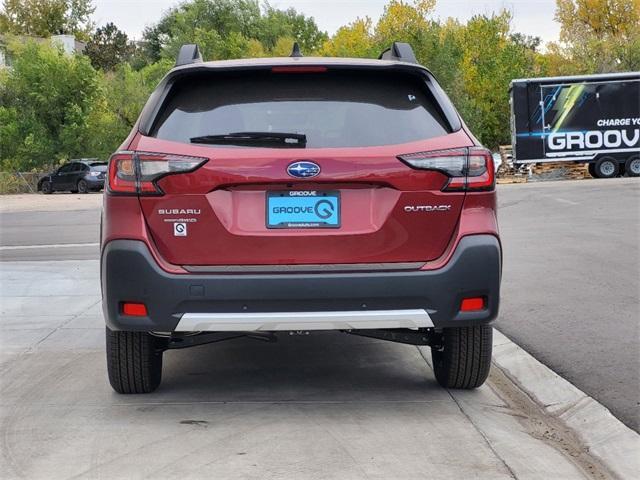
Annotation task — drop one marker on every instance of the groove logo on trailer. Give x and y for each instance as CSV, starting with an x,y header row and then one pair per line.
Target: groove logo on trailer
x,y
594,139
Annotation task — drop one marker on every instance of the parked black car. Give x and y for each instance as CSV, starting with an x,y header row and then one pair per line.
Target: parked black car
x,y
76,176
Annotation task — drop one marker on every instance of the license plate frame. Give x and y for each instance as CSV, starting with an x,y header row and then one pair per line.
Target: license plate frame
x,y
303,199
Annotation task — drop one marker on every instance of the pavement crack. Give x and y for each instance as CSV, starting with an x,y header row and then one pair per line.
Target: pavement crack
x,y
484,437
61,326
476,428
513,203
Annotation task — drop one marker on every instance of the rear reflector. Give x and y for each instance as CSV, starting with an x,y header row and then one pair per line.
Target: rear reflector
x,y
134,309
467,168
472,304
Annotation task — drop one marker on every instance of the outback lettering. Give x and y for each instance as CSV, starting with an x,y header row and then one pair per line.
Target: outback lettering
x,y
427,208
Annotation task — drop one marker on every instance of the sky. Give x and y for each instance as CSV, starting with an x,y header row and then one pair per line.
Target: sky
x,y
531,17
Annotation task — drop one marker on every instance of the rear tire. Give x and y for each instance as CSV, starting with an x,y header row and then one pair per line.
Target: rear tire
x,y
465,360
592,169
46,188
607,167
134,361
632,166
82,186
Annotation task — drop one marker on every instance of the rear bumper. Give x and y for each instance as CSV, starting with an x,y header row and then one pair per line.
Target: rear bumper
x,y
94,183
295,301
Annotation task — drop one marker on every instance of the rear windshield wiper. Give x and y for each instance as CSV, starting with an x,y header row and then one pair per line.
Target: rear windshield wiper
x,y
255,139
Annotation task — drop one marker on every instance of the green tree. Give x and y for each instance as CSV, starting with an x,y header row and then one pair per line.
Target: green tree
x,y
47,98
601,35
43,18
352,40
492,58
228,29
275,24
123,93
205,22
282,47
108,47
403,22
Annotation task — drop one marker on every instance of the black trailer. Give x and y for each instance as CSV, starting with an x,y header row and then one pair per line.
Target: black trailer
x,y
594,119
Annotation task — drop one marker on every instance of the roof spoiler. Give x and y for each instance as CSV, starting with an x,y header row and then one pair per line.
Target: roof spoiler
x,y
400,52
189,53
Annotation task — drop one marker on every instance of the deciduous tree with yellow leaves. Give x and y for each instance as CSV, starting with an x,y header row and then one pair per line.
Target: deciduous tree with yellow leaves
x,y
600,35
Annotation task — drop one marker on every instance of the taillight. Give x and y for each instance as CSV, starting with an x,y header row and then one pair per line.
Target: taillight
x,y
138,172
468,169
481,174
122,173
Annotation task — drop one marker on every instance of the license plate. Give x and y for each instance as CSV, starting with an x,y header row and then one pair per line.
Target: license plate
x,y
303,209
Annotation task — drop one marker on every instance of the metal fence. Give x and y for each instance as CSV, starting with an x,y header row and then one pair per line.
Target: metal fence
x,y
19,182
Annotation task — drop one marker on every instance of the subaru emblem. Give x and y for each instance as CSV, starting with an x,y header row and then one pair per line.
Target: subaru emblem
x,y
303,169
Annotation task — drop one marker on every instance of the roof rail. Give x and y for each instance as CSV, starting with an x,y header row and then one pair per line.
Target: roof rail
x,y
399,51
189,53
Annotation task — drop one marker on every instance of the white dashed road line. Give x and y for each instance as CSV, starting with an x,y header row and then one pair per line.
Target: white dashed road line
x,y
55,245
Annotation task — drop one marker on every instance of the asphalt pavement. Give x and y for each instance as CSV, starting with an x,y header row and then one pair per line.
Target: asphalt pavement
x,y
571,284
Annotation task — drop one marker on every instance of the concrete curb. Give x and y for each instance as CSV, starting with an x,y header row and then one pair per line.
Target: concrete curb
x,y
603,435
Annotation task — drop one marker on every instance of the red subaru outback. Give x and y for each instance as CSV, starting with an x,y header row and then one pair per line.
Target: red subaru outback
x,y
298,194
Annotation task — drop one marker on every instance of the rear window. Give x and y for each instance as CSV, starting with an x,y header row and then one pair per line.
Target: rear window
x,y
332,109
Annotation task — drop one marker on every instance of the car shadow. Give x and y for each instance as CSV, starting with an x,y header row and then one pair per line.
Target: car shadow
x,y
318,367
